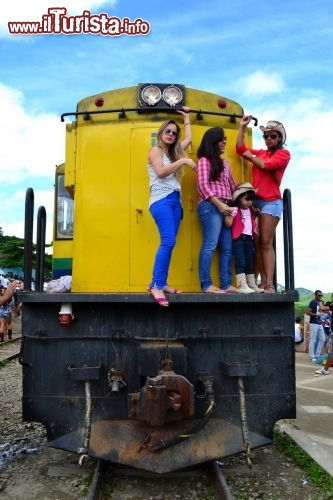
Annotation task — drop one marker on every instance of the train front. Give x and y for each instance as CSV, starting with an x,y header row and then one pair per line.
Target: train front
x,y
108,372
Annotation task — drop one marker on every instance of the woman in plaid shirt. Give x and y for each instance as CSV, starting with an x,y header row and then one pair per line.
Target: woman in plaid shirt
x,y
215,184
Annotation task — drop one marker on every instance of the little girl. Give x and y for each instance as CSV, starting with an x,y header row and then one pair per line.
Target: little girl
x,y
243,230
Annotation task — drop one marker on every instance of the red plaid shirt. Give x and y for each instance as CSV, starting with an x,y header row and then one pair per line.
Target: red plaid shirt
x,y
223,187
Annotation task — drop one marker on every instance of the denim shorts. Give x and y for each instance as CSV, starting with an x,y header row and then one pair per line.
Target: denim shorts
x,y
274,208
5,314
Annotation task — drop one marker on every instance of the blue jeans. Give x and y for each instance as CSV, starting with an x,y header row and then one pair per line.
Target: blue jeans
x,y
317,339
214,234
167,214
243,253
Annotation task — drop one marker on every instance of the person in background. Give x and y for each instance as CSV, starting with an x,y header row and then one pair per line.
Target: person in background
x,y
316,328
325,370
326,321
243,231
299,332
8,293
165,163
215,185
268,167
5,300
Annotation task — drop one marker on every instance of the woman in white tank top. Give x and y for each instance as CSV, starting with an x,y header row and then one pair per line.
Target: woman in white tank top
x,y
165,162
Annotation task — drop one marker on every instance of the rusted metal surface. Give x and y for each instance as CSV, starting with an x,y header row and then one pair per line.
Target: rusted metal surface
x,y
166,398
130,443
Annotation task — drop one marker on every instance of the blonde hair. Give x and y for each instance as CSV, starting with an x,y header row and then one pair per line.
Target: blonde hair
x,y
175,151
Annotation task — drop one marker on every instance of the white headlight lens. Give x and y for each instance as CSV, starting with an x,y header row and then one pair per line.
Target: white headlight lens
x,y
151,95
172,95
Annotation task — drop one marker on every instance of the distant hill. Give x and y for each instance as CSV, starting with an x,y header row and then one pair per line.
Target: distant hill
x,y
304,294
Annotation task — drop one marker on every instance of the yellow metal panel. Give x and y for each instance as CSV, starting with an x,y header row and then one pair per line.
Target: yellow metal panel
x,y
100,256
115,237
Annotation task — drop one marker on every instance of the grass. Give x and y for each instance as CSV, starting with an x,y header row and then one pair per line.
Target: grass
x,y
316,474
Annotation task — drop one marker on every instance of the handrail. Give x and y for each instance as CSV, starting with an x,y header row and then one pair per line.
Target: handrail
x,y
122,111
28,230
289,271
40,248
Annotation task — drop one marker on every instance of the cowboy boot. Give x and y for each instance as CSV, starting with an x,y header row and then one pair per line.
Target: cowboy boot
x,y
242,285
252,283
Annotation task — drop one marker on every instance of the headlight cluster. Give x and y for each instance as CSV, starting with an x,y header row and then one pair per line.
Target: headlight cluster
x,y
165,95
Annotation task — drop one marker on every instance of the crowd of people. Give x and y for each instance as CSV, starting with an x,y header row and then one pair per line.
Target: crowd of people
x,y
238,220
316,336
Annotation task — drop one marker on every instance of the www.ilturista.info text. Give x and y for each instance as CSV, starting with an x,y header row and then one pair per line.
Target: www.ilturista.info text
x,y
56,22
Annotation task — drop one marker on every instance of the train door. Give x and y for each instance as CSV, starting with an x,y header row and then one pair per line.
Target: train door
x,y
144,237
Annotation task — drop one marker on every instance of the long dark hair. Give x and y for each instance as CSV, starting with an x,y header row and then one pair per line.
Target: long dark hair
x,y
209,149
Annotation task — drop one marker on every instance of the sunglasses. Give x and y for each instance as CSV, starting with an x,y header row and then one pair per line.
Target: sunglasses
x,y
272,136
169,131
248,197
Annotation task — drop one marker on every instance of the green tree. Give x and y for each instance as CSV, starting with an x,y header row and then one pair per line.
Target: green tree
x,y
12,253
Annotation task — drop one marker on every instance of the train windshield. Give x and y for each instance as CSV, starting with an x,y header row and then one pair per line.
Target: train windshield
x,y
64,210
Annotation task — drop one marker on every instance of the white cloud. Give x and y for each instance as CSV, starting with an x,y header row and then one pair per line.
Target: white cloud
x,y
15,204
32,144
259,84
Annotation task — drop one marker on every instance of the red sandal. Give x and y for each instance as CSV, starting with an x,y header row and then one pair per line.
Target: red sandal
x,y
162,301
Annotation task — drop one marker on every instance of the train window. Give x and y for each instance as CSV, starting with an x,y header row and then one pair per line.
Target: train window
x,y
64,210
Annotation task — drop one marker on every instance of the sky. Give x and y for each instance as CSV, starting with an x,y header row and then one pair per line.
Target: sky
x,y
274,58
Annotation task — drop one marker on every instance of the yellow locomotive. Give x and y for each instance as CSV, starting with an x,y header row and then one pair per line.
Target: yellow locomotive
x,y
124,380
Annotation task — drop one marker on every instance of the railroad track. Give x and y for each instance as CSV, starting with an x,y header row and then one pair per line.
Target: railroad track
x,y
10,349
212,469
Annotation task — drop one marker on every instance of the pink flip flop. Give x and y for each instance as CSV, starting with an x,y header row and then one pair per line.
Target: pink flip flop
x,y
162,301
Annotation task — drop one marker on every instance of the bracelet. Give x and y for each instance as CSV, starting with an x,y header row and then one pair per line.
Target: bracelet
x,y
187,123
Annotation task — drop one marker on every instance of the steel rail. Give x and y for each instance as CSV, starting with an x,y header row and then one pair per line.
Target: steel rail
x,y
94,492
222,489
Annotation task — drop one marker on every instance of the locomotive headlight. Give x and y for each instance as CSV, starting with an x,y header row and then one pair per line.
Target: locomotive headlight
x,y
151,95
172,95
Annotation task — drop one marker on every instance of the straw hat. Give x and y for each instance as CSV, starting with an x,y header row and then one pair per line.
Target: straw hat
x,y
277,126
241,189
